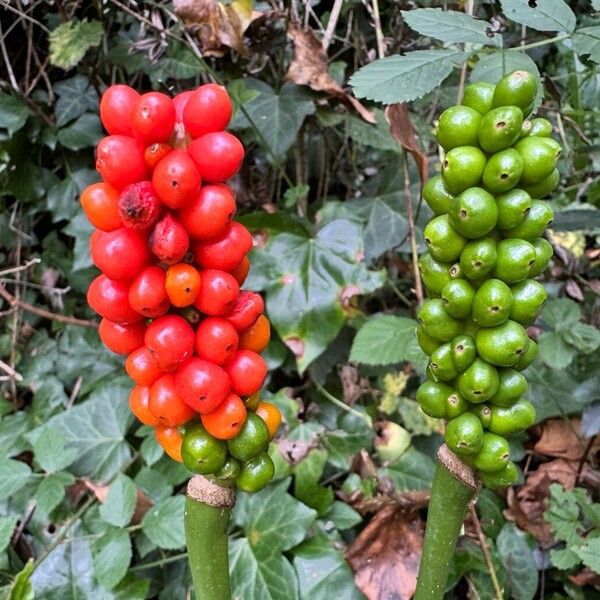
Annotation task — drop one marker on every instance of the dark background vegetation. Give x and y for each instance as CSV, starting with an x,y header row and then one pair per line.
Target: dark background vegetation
x,y
89,505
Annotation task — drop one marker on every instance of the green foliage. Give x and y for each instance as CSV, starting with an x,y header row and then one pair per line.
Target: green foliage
x,y
71,40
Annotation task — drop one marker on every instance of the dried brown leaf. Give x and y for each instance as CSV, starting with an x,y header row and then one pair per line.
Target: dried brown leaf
x,y
586,577
310,67
561,438
385,556
405,134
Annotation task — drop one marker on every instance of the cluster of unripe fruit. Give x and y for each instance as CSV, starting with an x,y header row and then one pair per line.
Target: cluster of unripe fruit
x,y
173,261
484,251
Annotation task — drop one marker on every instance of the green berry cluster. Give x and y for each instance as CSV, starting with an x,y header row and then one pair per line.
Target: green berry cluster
x,y
484,251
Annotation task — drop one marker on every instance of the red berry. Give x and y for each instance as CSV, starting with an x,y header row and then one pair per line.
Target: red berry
x,y
120,161
139,206
208,109
241,271
216,340
119,254
170,339
218,155
147,293
247,308
180,102
122,338
226,251
209,213
154,153
153,118
218,292
247,371
202,385
142,367
116,109
110,300
139,399
169,241
166,404
100,204
176,179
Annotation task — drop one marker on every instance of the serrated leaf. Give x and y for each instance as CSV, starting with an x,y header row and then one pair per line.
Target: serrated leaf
x,y
75,96
270,578
563,514
564,559
323,572
272,520
405,78
586,338
71,40
589,553
517,558
554,350
51,491
50,453
309,283
544,15
163,523
14,474
491,68
120,502
578,218
412,471
451,26
111,557
561,313
13,113
94,430
85,132
386,340
7,526
278,116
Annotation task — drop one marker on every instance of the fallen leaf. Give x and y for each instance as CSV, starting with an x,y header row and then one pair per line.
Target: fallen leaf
x,y
586,577
573,290
142,505
562,439
385,556
216,24
310,67
405,134
527,505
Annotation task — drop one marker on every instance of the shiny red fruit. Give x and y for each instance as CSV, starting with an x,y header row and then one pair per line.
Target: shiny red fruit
x,y
166,404
139,206
218,155
202,385
169,240
147,293
170,339
208,109
122,338
226,251
116,109
142,367
120,254
216,340
120,161
218,292
247,371
247,308
176,179
153,118
110,300
180,102
139,399
209,213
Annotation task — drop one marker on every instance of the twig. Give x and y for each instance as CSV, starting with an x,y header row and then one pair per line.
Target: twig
x,y
10,371
469,8
411,229
378,32
159,563
33,261
46,314
342,405
23,15
75,391
11,75
486,554
586,451
332,23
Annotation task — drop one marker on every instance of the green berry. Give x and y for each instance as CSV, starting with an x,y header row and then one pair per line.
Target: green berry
x,y
483,413
479,382
437,195
478,258
464,434
464,352
492,303
515,259
512,208
457,296
534,224
512,385
540,128
473,213
511,419
544,187
528,298
251,440
503,345
479,96
443,241
441,364
543,254
502,171
494,454
539,156
504,478
256,473
432,397
201,452
426,343
455,405
500,128
518,88
436,322
434,273
458,126
528,357
462,168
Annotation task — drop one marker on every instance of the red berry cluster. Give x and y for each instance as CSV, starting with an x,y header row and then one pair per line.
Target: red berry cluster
x,y
173,261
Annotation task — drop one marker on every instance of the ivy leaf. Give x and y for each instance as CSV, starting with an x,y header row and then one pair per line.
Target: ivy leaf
x,y
178,62
586,41
278,116
309,283
7,526
111,557
270,578
405,78
554,351
163,523
51,491
120,502
306,481
376,136
412,471
71,40
386,340
386,229
14,474
451,26
343,516
13,113
517,558
323,572
273,521
82,133
544,15
80,229
50,453
491,68
75,97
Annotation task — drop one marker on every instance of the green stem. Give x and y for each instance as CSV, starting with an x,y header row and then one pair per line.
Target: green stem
x,y
207,510
454,488
554,40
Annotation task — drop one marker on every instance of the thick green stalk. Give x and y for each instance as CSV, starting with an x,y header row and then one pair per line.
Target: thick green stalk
x,y
207,510
454,487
